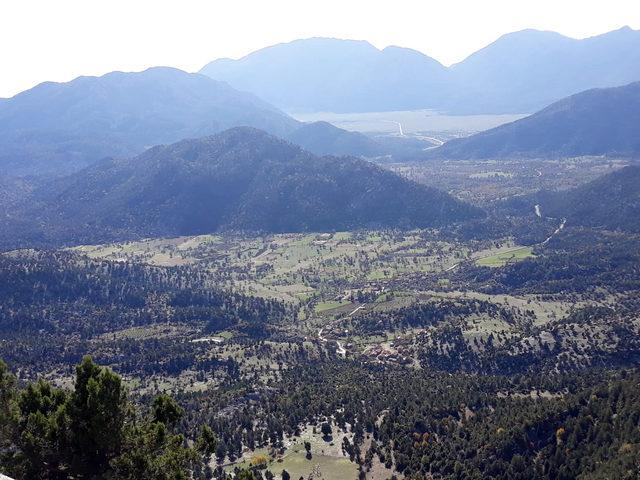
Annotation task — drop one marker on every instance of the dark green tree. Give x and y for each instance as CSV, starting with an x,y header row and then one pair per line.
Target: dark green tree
x,y
207,441
326,430
96,410
92,432
166,410
8,406
152,453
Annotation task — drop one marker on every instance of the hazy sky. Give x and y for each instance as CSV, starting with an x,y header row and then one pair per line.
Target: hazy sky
x,y
61,39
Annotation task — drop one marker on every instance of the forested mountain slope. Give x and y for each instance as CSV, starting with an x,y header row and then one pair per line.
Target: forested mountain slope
x,y
611,202
594,122
61,127
241,179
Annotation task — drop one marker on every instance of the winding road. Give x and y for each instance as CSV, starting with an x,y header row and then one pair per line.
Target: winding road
x,y
556,231
341,351
538,212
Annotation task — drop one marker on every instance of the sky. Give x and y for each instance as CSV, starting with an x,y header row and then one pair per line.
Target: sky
x,y
58,40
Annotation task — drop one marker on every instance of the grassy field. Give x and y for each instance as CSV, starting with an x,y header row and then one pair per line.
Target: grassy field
x,y
326,455
503,258
324,273
323,306
332,468
297,465
296,268
149,331
476,328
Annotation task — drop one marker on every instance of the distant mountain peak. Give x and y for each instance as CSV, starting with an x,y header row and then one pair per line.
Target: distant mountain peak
x,y
517,73
624,29
328,74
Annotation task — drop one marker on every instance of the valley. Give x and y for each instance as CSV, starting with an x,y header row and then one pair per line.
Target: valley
x,y
486,182
427,272
296,267
363,303
268,336
375,295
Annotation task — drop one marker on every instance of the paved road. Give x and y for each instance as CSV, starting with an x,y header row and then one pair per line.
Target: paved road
x,y
400,131
556,231
436,141
341,351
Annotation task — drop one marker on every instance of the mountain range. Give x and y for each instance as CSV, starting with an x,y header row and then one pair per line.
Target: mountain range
x,y
331,75
520,72
240,179
58,128
595,122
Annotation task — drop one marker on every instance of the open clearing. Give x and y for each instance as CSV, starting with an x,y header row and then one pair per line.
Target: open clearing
x,y
503,258
335,278
326,455
322,306
332,468
296,268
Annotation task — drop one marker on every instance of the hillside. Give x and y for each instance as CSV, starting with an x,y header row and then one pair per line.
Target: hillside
x,y
611,202
323,138
61,127
518,73
241,179
526,70
594,122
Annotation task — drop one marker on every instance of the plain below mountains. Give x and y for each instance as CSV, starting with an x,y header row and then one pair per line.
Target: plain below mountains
x,y
240,179
521,72
595,122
